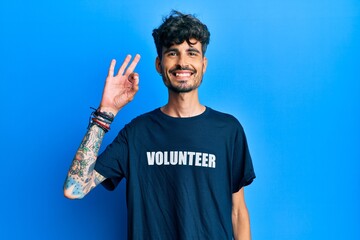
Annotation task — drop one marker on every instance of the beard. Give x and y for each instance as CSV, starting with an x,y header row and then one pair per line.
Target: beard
x,y
182,86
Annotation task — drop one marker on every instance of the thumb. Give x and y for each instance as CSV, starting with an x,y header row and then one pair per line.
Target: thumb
x,y
134,79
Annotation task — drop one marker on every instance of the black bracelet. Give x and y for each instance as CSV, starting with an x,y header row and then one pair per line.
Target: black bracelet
x,y
96,116
109,118
102,119
96,122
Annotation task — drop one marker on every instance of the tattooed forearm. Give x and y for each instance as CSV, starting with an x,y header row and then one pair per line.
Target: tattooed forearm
x,y
81,177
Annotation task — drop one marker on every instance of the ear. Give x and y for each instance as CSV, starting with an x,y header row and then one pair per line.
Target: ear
x,y
205,62
158,65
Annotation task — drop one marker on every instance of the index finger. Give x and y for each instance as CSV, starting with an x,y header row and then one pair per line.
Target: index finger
x,y
133,64
111,68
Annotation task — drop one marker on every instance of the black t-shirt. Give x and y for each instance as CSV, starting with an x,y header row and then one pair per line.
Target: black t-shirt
x,y
180,172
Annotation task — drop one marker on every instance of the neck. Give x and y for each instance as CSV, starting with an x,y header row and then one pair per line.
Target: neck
x,y
183,105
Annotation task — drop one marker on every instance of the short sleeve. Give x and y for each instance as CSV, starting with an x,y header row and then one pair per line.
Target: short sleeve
x,y
242,168
112,162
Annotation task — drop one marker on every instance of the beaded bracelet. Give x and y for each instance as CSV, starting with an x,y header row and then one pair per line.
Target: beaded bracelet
x,y
100,119
107,117
100,125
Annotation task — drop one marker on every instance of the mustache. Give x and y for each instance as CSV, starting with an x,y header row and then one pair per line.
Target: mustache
x,y
182,68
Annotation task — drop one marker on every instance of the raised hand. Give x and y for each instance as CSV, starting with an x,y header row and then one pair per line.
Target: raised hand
x,y
121,88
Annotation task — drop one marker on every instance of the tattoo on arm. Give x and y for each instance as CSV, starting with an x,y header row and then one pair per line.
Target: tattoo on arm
x,y
81,176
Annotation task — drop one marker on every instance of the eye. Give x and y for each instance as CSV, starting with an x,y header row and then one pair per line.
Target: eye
x,y
193,54
171,54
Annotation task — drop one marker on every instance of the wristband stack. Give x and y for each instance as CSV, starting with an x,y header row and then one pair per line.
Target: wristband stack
x,y
100,119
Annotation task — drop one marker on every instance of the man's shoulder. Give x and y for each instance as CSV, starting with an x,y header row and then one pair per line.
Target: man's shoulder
x,y
223,116
145,117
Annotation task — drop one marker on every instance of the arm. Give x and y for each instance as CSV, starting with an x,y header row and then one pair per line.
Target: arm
x,y
118,91
82,177
240,217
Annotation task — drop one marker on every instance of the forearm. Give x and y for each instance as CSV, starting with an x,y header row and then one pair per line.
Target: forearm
x,y
119,89
81,177
241,224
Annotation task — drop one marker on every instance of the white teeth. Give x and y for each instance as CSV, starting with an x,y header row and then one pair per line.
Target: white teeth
x,y
182,74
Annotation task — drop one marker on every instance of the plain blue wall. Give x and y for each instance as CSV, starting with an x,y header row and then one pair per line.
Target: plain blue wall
x,y
288,70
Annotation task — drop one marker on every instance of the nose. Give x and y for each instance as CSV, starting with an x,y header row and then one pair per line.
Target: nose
x,y
182,60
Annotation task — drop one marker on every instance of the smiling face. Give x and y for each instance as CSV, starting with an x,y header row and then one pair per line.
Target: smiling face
x,y
182,66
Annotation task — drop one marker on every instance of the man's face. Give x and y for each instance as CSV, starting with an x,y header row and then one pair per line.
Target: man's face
x,y
182,66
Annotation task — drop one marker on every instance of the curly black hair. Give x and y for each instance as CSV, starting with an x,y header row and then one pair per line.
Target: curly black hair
x,y
179,27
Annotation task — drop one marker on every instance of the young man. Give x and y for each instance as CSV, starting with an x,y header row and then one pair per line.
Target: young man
x,y
186,164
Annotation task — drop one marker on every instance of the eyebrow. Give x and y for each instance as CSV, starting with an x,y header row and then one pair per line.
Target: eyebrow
x,y
191,49
173,49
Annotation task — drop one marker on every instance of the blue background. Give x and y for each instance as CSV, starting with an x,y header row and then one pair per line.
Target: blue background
x,y
288,70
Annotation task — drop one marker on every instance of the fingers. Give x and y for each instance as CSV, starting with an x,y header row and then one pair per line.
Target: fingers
x,y
132,66
134,78
112,67
124,65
